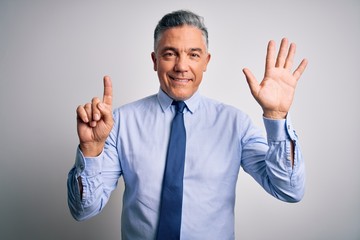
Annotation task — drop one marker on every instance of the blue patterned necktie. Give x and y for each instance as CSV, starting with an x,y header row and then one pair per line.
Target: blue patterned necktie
x,y
172,189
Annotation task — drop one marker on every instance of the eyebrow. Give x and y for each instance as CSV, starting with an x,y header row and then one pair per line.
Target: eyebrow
x,y
177,50
195,50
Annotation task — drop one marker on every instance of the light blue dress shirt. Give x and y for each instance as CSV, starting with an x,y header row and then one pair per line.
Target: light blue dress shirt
x,y
220,140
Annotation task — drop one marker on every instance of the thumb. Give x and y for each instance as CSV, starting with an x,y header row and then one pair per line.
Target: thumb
x,y
251,80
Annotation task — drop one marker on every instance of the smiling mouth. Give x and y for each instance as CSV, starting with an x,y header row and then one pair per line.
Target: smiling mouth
x,y
180,80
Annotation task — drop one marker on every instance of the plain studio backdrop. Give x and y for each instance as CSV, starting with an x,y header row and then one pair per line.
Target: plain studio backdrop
x,y
53,55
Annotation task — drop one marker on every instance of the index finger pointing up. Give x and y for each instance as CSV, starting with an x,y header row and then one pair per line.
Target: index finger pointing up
x,y
107,98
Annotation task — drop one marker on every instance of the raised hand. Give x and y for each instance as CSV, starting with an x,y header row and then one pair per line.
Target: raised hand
x,y
276,91
95,121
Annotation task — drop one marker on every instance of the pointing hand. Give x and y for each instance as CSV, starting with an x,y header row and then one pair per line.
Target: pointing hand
x,y
95,121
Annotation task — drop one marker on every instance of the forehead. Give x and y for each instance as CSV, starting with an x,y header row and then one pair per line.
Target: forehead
x,y
182,37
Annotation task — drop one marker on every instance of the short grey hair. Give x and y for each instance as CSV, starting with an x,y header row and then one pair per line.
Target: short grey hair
x,y
177,19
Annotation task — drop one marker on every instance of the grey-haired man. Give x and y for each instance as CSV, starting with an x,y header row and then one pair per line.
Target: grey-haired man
x,y
131,141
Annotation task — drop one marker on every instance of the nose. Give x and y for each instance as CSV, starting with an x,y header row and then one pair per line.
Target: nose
x,y
181,64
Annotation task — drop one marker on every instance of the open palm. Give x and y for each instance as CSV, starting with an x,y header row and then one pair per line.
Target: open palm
x,y
276,91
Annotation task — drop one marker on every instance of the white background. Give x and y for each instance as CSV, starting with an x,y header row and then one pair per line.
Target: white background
x,y
53,55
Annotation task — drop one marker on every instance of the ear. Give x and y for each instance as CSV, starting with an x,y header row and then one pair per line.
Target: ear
x,y
207,60
153,57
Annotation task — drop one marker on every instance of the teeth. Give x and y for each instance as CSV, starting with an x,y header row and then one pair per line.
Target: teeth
x,y
181,80
184,80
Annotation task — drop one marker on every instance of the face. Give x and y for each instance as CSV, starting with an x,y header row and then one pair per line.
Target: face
x,y
180,60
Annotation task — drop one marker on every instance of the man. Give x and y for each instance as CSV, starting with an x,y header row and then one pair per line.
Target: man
x,y
132,141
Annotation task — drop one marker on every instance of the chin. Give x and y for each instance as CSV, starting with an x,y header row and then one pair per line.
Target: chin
x,y
181,97
179,93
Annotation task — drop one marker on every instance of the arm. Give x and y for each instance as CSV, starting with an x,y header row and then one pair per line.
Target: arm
x,y
277,165
97,176
268,162
96,168
275,93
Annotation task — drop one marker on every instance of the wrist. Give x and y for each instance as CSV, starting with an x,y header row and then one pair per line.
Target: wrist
x,y
275,114
91,149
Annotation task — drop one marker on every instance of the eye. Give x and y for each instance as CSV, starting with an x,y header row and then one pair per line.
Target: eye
x,y
194,55
168,54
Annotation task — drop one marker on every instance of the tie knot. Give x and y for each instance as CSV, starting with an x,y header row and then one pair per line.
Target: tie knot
x,y
179,106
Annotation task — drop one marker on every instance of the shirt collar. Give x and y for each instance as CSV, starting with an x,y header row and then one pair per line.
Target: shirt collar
x,y
165,101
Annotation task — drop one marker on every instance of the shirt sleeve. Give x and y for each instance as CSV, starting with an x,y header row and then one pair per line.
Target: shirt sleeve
x,y
269,163
99,177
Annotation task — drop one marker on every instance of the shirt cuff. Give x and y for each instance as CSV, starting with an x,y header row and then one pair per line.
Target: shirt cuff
x,y
279,129
88,166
